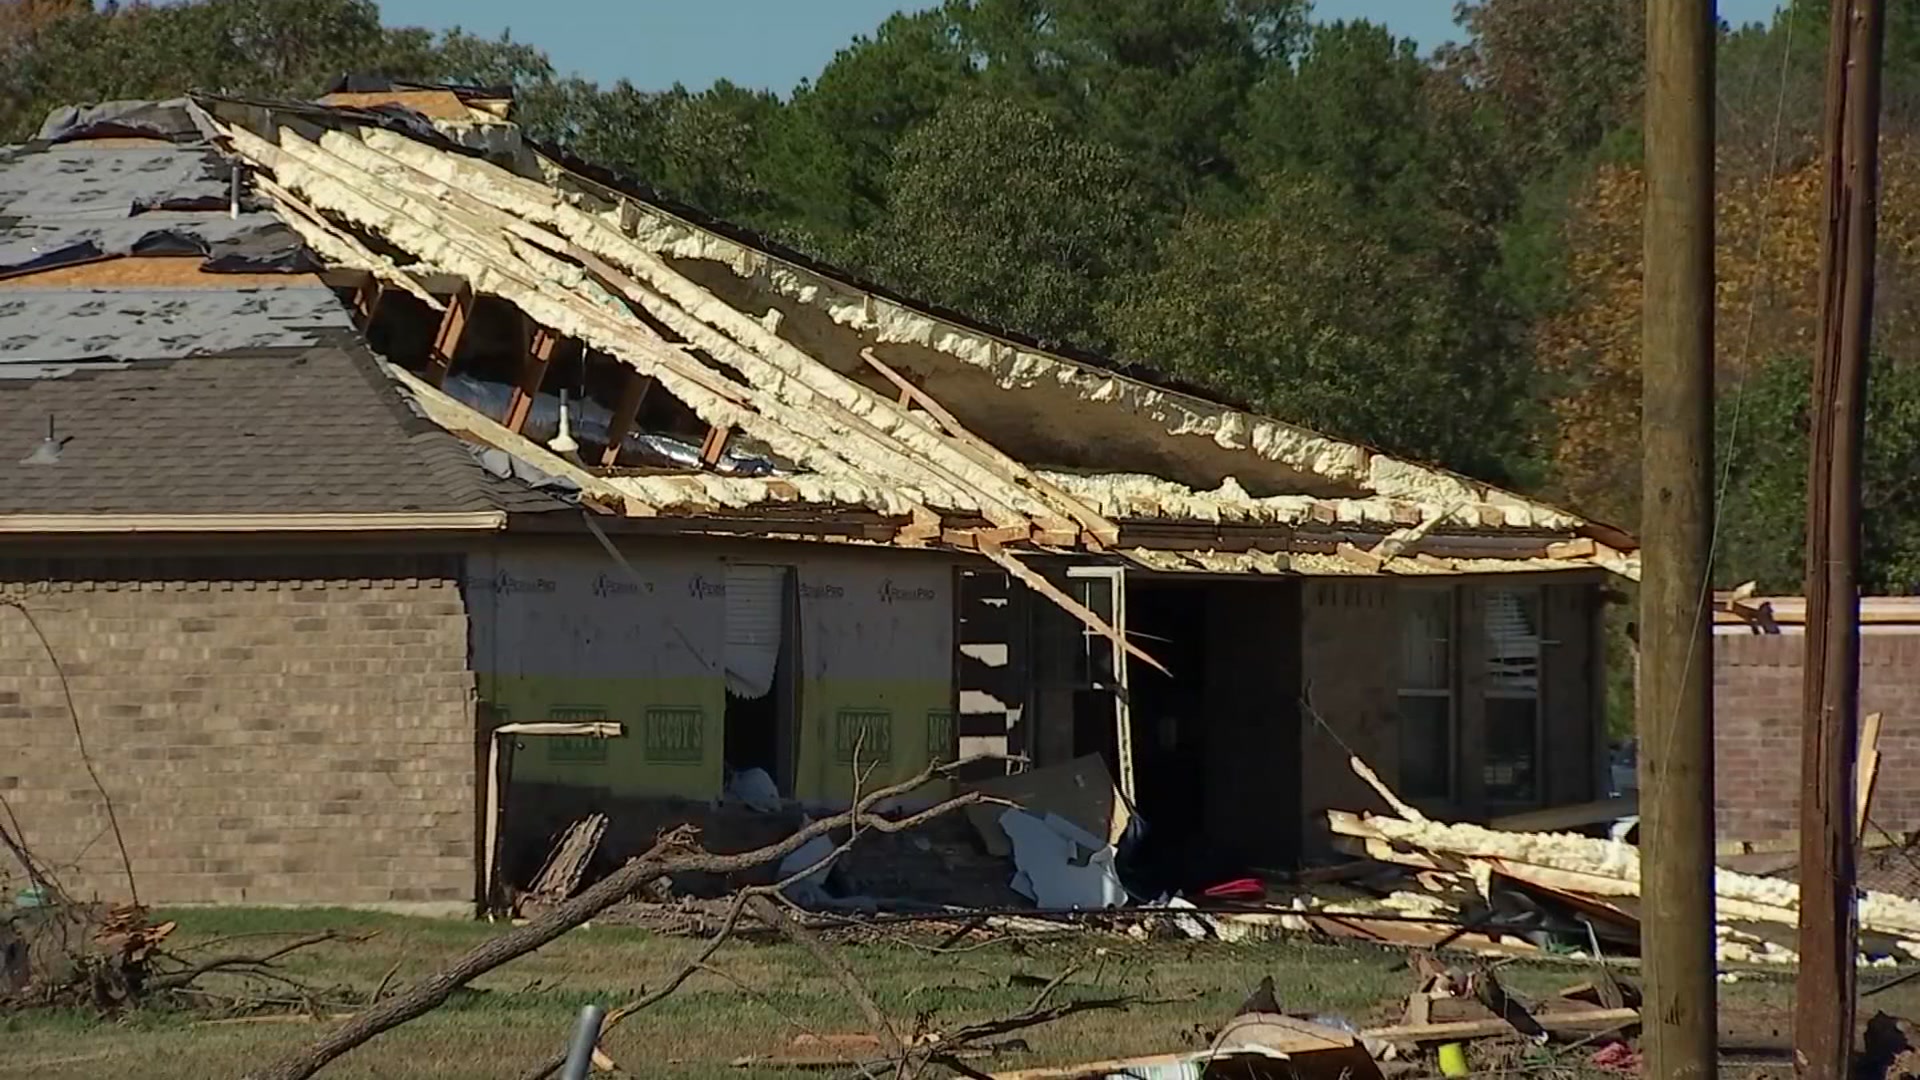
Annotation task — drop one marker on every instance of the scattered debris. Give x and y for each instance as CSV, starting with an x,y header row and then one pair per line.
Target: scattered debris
x,y
1061,865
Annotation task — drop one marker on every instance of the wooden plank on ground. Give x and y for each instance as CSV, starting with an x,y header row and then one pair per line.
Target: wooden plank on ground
x,y
1567,1023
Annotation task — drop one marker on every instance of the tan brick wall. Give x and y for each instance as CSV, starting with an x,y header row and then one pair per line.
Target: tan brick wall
x,y
1756,730
270,729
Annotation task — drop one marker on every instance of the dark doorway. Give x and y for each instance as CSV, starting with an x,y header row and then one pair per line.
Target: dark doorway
x,y
762,649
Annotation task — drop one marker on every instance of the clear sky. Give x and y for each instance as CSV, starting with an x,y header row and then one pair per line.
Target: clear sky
x,y
776,43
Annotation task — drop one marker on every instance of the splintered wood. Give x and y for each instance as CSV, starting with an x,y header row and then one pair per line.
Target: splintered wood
x,y
568,863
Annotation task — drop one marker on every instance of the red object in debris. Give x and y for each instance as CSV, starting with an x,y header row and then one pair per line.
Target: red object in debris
x,y
1245,888
1616,1057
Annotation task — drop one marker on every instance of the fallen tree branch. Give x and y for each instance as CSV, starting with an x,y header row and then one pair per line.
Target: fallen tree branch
x,y
770,913
177,979
673,853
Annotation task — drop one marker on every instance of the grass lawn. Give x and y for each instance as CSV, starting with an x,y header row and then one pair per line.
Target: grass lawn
x,y
522,1011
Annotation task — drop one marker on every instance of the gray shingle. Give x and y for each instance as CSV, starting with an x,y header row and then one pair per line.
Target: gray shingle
x,y
38,326
314,431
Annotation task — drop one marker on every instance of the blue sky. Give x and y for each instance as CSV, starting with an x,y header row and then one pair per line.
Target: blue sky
x,y
776,43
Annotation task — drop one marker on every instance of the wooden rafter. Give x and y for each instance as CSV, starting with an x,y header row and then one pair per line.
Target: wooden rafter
x,y
714,446
633,394
446,340
1097,526
366,301
533,372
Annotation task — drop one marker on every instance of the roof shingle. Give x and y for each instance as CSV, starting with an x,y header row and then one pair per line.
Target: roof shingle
x,y
314,431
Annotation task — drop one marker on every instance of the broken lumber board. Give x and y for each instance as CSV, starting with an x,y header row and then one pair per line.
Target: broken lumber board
x,y
568,863
1557,818
1566,1023
1866,771
1608,867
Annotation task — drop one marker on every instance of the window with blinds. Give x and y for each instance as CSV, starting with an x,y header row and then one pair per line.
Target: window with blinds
x,y
1512,628
756,620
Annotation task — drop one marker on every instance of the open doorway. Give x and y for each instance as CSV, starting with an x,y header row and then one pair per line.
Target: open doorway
x,y
762,650
1170,717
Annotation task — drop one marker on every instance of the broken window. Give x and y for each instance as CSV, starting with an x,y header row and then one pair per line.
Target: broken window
x,y
1512,625
1426,694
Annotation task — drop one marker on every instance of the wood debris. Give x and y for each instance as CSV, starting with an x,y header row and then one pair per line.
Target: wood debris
x,y
568,863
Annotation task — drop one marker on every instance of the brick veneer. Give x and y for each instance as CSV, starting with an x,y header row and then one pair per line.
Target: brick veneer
x,y
270,730
1757,731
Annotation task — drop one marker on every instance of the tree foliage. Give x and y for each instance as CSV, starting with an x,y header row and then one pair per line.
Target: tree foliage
x,y
1000,213
1764,517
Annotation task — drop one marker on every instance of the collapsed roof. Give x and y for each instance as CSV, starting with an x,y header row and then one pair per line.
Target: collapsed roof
x,y
826,402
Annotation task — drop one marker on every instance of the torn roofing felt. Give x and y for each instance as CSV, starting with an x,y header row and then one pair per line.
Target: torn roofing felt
x,y
132,178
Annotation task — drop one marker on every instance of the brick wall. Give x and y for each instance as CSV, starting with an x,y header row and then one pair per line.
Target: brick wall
x,y
270,729
1757,731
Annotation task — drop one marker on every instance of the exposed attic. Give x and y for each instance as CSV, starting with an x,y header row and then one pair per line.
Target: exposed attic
x,y
708,378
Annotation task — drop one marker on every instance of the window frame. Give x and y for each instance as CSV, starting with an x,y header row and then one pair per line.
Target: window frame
x,y
1450,692
1537,695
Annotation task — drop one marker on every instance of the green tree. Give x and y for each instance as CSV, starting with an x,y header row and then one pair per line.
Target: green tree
x,y
705,148
1317,316
1764,431
999,212
1163,80
830,152
1563,76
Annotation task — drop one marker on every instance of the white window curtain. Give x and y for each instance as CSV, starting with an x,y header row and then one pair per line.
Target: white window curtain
x,y
755,622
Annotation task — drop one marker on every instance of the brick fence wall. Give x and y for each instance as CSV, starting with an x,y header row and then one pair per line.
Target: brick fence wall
x,y
269,729
1757,731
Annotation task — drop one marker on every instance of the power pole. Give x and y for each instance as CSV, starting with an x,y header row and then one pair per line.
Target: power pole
x,y
1824,1009
1676,520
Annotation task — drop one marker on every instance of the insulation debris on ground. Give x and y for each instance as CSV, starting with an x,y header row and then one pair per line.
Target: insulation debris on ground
x,y
1580,894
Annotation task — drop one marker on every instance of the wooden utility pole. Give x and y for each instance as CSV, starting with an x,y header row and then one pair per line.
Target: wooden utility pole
x,y
1824,1011
1676,520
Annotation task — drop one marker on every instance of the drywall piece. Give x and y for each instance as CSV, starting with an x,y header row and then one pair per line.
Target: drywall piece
x,y
1060,865
756,790
817,852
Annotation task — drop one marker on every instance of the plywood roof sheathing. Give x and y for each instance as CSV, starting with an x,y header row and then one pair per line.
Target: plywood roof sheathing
x,y
149,272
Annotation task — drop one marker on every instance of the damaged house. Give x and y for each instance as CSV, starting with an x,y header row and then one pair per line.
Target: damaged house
x,y
370,477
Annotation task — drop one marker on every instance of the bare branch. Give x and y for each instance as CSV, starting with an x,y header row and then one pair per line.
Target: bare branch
x,y
673,853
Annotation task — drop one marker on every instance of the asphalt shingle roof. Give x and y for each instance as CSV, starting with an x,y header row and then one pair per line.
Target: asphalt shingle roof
x,y
314,431
247,398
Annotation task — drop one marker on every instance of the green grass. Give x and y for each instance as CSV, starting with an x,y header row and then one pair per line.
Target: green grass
x,y
520,1012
